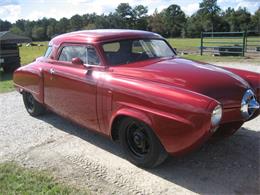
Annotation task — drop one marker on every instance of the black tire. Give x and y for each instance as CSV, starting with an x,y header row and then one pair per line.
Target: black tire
x,y
140,144
33,107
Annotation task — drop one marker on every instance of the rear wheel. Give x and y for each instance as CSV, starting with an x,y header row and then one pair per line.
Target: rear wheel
x,y
140,144
33,107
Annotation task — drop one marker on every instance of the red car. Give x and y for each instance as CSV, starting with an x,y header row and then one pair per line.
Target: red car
x,y
130,85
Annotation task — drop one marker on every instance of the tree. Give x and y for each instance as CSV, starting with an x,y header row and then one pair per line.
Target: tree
x,y
101,22
125,11
229,16
50,31
28,26
209,11
244,18
238,20
140,17
255,24
156,23
63,26
76,22
20,24
51,28
16,30
38,33
115,21
174,20
5,25
194,26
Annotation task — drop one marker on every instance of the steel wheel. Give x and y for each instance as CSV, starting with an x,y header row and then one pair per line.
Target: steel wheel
x,y
30,102
140,144
137,140
33,107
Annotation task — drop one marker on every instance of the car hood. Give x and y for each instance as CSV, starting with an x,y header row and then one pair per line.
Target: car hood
x,y
215,82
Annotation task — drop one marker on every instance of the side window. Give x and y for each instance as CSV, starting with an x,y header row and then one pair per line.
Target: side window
x,y
92,58
69,52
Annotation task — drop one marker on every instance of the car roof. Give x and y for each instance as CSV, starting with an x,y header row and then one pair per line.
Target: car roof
x,y
102,35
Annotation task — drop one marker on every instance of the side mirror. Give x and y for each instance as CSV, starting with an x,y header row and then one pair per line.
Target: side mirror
x,y
77,61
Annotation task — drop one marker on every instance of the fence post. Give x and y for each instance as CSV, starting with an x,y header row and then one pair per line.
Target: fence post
x,y
244,43
201,43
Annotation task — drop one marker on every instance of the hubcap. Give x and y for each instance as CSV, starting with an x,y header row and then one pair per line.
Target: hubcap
x,y
137,140
249,104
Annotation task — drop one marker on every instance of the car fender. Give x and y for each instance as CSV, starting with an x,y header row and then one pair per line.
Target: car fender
x,y
30,79
130,112
180,118
253,78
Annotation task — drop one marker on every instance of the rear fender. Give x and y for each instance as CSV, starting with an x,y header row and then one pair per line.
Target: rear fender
x,y
30,80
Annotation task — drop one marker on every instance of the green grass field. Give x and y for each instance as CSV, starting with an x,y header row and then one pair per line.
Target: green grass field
x,y
184,44
28,54
17,180
191,45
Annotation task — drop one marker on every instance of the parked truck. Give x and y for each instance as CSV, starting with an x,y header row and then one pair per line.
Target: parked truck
x,y
9,50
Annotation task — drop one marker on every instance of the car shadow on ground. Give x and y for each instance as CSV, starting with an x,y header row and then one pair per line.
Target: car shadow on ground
x,y
226,166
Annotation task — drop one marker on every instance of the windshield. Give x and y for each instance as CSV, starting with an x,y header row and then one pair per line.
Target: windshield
x,y
48,52
127,51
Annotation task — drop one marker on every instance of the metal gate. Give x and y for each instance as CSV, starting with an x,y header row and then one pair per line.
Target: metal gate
x,y
252,41
224,43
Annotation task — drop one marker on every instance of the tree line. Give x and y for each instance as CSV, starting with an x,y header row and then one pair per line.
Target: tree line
x,y
170,22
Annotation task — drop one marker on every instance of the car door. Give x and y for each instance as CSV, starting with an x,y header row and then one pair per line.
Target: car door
x,y
70,89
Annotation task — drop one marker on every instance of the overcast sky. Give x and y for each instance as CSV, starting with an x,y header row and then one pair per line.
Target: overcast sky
x,y
13,10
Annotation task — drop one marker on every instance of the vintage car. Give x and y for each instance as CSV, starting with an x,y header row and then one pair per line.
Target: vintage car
x,y
130,86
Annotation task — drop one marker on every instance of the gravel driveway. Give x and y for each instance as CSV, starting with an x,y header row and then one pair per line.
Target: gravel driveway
x,y
81,157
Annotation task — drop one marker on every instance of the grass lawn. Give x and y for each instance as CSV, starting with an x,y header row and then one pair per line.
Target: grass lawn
x,y
184,43
17,180
28,54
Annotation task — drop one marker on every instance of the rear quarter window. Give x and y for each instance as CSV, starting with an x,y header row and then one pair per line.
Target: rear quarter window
x,y
111,47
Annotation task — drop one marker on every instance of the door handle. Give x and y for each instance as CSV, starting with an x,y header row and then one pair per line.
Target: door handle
x,y
52,71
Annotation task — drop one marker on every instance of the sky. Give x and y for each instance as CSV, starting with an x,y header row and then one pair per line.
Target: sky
x,y
13,10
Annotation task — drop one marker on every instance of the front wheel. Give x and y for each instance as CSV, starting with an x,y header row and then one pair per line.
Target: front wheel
x,y
140,144
33,107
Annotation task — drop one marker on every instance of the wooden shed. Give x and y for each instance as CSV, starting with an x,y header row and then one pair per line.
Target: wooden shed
x,y
9,51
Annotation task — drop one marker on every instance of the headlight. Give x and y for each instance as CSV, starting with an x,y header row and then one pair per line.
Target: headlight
x,y
216,115
249,104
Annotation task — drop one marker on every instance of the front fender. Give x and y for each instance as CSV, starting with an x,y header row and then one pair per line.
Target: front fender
x,y
180,118
252,78
177,134
133,113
